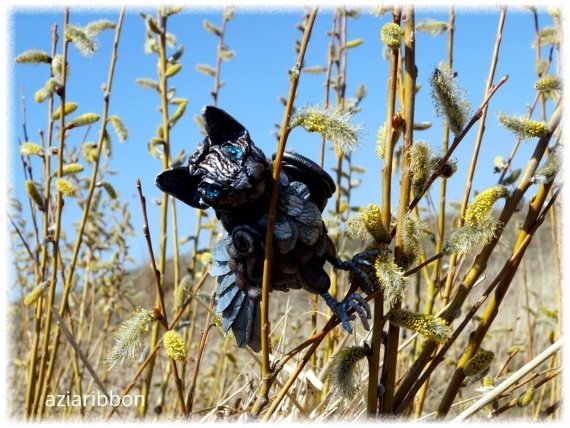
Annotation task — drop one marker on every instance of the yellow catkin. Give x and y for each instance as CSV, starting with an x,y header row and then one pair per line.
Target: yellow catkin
x,y
72,168
391,35
65,187
119,127
548,83
174,345
372,217
35,294
481,207
333,123
28,149
110,190
429,326
522,126
129,336
420,155
526,397
172,70
341,371
41,95
34,193
450,100
70,107
84,119
33,56
479,362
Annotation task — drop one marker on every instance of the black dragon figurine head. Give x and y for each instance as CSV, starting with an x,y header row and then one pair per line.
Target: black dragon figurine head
x,y
225,172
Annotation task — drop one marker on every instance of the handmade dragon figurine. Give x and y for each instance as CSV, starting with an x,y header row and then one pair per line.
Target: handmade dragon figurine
x,y
228,173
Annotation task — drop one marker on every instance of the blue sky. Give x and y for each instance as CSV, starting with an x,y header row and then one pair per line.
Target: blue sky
x,y
255,78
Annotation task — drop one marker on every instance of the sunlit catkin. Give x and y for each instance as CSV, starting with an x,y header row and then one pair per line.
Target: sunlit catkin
x,y
522,126
35,294
526,397
449,100
65,187
85,43
119,127
432,27
33,56
28,149
342,370
546,173
83,120
548,83
391,278
72,168
129,337
420,163
367,223
467,238
174,345
332,123
34,194
95,27
391,35
413,238
431,327
481,207
70,107
479,362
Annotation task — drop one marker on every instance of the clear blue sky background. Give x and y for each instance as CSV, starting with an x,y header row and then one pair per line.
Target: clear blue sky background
x,y
255,78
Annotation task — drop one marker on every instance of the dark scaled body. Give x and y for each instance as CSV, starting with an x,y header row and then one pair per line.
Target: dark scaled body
x,y
228,173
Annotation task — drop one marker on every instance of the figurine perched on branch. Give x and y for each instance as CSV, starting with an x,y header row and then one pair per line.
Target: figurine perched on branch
x,y
228,173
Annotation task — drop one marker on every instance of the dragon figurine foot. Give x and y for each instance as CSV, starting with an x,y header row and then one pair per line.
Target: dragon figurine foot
x,y
340,309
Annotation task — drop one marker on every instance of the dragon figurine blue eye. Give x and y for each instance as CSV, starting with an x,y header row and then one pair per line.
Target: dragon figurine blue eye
x,y
228,160
212,191
232,151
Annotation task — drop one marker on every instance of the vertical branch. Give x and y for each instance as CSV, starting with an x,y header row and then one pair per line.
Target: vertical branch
x,y
57,233
376,341
87,203
198,357
32,385
435,277
267,265
340,88
330,60
163,81
391,366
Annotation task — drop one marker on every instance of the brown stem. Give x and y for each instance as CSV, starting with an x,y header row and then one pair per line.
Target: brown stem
x,y
267,265
377,332
42,379
390,368
198,357
155,271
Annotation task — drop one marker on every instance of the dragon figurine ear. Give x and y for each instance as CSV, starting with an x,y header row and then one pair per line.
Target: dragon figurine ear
x,y
220,126
179,183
